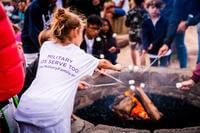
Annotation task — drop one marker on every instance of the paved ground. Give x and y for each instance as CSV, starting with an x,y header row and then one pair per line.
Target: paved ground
x,y
192,47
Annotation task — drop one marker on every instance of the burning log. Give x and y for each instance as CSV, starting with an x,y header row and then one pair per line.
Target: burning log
x,y
129,107
149,106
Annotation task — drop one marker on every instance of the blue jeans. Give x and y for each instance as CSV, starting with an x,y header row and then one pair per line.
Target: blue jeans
x,y
181,49
163,61
198,54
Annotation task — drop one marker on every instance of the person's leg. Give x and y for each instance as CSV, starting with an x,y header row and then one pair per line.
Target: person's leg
x,y
134,55
164,61
181,49
143,60
198,31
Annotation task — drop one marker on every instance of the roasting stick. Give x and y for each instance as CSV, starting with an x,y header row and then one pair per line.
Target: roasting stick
x,y
112,77
103,85
156,59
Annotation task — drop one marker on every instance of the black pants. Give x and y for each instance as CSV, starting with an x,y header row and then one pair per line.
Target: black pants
x,y
3,124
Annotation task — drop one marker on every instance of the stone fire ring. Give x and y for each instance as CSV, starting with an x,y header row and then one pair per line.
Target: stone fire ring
x,y
87,97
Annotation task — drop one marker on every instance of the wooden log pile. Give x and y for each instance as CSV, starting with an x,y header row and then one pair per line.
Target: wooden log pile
x,y
136,105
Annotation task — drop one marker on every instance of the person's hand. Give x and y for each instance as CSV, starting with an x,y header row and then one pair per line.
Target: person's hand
x,y
182,27
19,47
83,85
187,84
150,46
95,2
118,67
112,50
143,52
163,50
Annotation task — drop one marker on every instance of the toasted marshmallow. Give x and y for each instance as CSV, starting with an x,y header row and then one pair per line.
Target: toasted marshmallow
x,y
98,39
130,68
132,87
142,85
178,85
131,82
102,56
136,68
114,35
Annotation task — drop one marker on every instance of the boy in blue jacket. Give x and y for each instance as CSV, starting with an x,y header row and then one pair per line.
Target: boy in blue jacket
x,y
154,32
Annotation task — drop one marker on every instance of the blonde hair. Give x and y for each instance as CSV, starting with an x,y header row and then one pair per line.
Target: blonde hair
x,y
44,36
62,24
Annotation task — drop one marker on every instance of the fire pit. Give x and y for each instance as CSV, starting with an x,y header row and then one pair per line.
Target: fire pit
x,y
181,110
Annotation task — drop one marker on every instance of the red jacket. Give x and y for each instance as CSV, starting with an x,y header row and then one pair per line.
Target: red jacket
x,y
196,74
11,68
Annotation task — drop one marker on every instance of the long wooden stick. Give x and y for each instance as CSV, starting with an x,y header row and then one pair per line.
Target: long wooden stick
x,y
148,104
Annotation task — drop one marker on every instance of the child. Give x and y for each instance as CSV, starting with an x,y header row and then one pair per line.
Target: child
x,y
111,49
92,43
185,85
48,103
135,18
153,33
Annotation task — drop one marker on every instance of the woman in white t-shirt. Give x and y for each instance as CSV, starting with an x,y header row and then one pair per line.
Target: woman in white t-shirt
x,y
47,105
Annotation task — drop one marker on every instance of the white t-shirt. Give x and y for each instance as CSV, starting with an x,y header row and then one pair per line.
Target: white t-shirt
x,y
89,43
50,98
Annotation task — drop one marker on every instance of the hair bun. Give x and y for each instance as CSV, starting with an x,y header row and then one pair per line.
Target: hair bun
x,y
59,13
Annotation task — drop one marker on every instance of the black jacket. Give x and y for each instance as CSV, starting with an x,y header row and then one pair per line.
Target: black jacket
x,y
109,41
98,47
36,18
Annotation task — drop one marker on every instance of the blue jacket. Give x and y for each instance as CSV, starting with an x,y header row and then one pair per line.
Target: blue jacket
x,y
154,34
180,12
36,18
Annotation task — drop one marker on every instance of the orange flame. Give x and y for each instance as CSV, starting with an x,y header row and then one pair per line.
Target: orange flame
x,y
137,110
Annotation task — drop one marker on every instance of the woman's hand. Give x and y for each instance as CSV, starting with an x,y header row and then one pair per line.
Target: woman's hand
x,y
186,85
150,46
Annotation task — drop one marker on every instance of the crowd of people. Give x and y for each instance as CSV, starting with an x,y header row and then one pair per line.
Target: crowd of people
x,y
58,46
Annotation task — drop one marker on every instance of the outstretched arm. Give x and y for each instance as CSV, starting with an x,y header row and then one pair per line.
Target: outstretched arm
x,y
107,65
